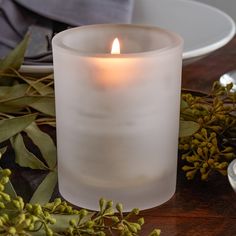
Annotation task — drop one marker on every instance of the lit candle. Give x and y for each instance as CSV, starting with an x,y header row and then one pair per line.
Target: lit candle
x,y
117,114
115,46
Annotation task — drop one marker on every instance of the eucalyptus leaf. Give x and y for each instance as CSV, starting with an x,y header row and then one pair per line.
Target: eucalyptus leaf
x,y
9,189
23,156
17,104
45,105
12,126
188,128
9,109
40,87
16,57
14,91
2,151
44,142
45,190
20,102
183,104
62,222
49,77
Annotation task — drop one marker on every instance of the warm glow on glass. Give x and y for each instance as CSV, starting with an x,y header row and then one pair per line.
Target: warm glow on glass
x,y
115,46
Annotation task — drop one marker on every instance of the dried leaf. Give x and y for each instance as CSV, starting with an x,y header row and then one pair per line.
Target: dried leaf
x,y
16,57
45,144
40,87
23,156
188,128
12,126
45,105
45,190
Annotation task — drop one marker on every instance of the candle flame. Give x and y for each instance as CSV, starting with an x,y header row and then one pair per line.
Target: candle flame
x,y
115,46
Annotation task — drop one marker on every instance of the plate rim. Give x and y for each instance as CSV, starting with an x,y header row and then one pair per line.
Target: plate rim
x,y
191,54
212,47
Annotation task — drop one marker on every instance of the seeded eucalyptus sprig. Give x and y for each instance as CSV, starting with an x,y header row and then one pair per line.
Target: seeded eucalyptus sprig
x,y
18,218
210,149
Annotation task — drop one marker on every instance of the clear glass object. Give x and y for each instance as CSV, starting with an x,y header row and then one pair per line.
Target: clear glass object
x,y
117,115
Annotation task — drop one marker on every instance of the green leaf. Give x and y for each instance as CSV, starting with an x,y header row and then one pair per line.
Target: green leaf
x,y
62,223
44,142
16,104
2,151
23,156
188,128
183,104
9,189
45,105
15,91
16,57
45,190
9,109
12,126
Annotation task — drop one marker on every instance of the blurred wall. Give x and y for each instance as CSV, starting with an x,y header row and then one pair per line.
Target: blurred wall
x,y
228,6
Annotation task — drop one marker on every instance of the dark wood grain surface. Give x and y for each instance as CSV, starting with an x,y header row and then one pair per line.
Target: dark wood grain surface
x,y
197,208
201,74
200,209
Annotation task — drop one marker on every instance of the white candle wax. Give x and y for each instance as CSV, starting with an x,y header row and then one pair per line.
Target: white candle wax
x,y
117,115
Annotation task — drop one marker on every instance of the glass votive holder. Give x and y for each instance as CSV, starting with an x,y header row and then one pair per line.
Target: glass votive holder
x,y
117,115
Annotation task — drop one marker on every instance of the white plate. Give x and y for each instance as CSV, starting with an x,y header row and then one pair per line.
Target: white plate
x,y
204,28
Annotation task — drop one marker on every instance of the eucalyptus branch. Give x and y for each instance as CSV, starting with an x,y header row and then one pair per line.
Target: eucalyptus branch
x,y
30,218
209,149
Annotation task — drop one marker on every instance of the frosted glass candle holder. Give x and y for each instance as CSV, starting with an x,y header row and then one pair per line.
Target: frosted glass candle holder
x,y
117,115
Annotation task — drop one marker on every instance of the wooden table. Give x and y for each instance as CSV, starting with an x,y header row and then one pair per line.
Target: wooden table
x,y
200,209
